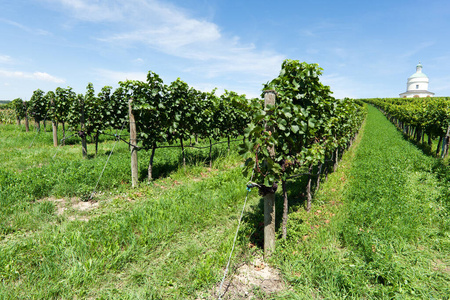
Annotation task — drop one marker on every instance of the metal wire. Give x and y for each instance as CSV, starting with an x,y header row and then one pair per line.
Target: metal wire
x,y
235,237
95,188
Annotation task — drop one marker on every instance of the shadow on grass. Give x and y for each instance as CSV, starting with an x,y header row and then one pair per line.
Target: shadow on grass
x,y
168,160
424,147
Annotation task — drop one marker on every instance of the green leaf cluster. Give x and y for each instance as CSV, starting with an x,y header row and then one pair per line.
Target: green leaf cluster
x,y
304,126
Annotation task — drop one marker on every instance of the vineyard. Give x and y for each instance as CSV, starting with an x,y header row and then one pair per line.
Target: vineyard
x,y
420,118
173,233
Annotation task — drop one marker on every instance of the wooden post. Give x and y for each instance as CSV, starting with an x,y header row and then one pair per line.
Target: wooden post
x,y
27,126
336,159
55,128
269,198
83,131
308,191
183,154
210,153
150,164
285,209
445,145
438,145
133,142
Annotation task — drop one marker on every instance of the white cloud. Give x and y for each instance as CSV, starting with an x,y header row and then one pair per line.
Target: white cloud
x,y
5,59
36,31
40,76
138,60
116,76
170,30
416,49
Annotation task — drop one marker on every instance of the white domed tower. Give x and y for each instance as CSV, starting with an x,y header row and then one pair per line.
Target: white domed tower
x,y
417,85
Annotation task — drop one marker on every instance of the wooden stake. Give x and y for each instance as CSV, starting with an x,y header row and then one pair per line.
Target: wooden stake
x,y
133,141
446,143
150,164
285,209
83,131
55,128
269,199
308,191
27,126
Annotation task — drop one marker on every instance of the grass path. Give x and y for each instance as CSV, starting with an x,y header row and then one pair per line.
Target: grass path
x,y
389,238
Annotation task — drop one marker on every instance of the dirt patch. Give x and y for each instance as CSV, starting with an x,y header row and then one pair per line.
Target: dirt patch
x,y
85,206
252,281
439,265
73,205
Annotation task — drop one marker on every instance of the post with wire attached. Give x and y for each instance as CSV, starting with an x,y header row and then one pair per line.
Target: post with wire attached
x,y
27,126
83,127
269,197
54,127
133,142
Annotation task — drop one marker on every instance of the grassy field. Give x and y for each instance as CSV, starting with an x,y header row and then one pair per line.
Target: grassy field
x,y
379,227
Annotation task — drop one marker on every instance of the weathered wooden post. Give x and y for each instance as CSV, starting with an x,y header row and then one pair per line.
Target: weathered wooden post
x,y
308,190
27,125
446,143
269,196
83,127
55,127
133,142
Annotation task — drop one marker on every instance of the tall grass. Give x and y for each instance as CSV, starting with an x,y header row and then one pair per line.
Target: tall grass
x,y
32,169
167,239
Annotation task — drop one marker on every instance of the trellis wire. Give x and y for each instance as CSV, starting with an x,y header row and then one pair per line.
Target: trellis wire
x,y
39,130
235,237
60,144
101,174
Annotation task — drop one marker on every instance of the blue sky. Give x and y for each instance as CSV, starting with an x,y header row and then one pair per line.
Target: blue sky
x,y
366,48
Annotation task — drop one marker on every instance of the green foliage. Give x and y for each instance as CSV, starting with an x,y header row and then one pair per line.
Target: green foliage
x,y
233,113
19,108
38,106
64,97
304,126
150,108
168,113
7,116
117,110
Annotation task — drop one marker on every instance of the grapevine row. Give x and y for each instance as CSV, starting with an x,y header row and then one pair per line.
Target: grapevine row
x,y
305,129
419,117
164,114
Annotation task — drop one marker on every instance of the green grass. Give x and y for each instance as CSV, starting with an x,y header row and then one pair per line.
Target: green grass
x,y
385,236
165,240
33,169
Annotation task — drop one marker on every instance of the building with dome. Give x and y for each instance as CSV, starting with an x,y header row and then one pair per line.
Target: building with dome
x,y
417,85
